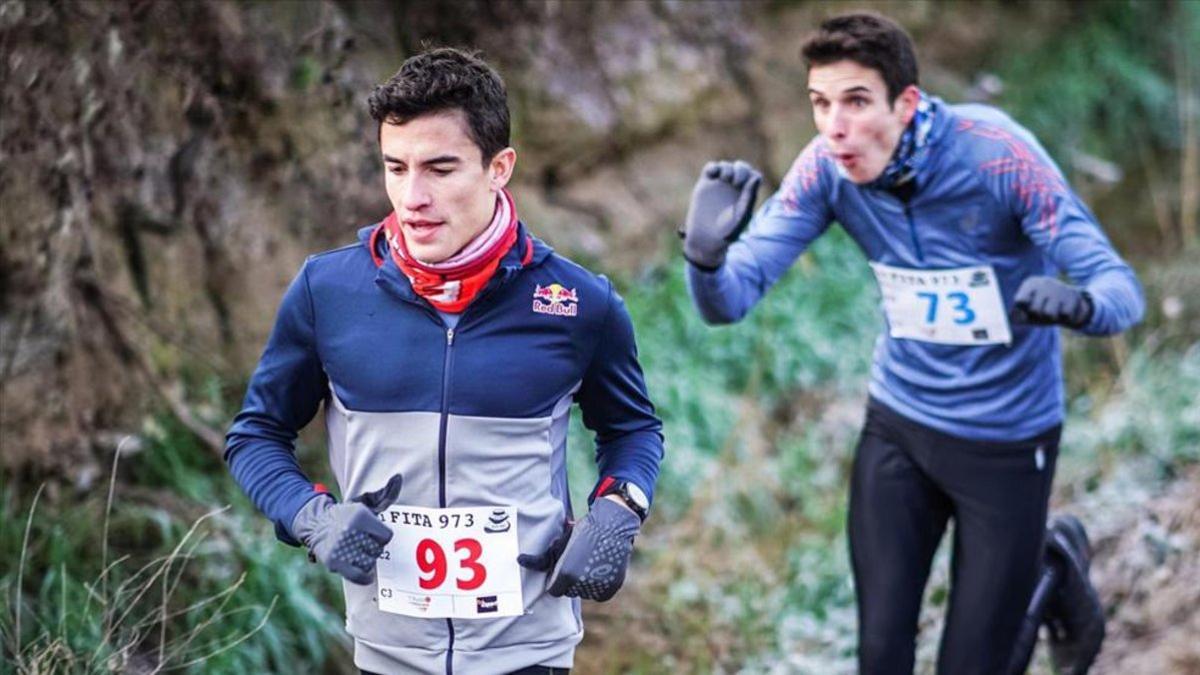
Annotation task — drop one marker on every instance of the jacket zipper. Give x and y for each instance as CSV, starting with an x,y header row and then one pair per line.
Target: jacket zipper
x,y
446,364
445,417
912,231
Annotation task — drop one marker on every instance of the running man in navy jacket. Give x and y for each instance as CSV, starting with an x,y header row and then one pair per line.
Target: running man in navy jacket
x,y
966,222
447,347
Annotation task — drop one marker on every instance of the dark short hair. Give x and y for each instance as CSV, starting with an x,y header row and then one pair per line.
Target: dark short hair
x,y
446,79
870,40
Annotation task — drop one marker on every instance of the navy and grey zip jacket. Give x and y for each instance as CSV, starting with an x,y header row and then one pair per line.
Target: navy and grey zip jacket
x,y
473,415
988,194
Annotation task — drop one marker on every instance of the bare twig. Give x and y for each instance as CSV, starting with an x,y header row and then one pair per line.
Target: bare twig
x,y
163,565
241,639
21,571
199,604
112,486
218,613
169,587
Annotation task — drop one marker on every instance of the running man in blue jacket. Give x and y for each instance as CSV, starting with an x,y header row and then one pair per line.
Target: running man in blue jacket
x,y
447,347
965,221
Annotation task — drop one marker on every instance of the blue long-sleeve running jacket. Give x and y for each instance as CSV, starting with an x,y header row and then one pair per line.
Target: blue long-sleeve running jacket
x,y
989,194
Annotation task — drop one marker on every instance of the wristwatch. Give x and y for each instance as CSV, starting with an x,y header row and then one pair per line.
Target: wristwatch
x,y
629,493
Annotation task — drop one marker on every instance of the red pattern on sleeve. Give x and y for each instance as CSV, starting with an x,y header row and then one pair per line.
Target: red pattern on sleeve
x,y
803,175
1037,184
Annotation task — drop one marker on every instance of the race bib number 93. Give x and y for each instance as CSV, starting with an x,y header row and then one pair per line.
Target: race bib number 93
x,y
450,563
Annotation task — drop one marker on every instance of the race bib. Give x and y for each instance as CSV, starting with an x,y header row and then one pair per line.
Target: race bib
x,y
956,306
451,563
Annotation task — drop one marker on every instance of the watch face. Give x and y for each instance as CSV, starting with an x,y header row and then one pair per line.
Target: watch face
x,y
636,495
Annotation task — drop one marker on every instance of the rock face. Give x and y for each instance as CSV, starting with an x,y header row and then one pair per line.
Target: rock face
x,y
152,176
165,167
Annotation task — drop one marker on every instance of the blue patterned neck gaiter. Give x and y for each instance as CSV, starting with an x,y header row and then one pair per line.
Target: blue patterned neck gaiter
x,y
913,148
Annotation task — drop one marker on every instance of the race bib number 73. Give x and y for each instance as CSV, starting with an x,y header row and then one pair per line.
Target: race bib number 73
x,y
960,306
450,563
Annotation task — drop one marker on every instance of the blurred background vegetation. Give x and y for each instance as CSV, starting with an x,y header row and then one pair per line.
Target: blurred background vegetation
x,y
165,168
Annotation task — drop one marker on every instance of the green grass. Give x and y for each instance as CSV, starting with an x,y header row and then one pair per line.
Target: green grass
x,y
1128,97
812,332
170,575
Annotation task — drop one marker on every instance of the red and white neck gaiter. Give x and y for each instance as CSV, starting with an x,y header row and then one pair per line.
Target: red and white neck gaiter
x,y
452,284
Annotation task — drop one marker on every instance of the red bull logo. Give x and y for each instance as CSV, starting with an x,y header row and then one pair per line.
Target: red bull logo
x,y
555,300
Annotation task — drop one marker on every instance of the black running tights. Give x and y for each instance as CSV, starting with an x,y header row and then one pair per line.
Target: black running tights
x,y
908,482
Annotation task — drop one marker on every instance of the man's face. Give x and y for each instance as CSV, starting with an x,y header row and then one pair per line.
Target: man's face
x,y
852,111
443,194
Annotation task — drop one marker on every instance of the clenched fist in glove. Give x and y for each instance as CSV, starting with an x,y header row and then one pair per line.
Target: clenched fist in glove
x,y
589,560
721,206
347,538
1043,301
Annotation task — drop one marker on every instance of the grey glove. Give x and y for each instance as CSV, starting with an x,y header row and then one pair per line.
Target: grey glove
x,y
347,538
589,560
1042,301
722,203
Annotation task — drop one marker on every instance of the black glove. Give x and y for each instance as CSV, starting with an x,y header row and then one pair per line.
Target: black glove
x,y
589,560
1042,301
347,538
721,206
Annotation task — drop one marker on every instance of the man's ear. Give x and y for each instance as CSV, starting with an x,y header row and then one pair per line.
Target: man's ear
x,y
907,102
500,168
